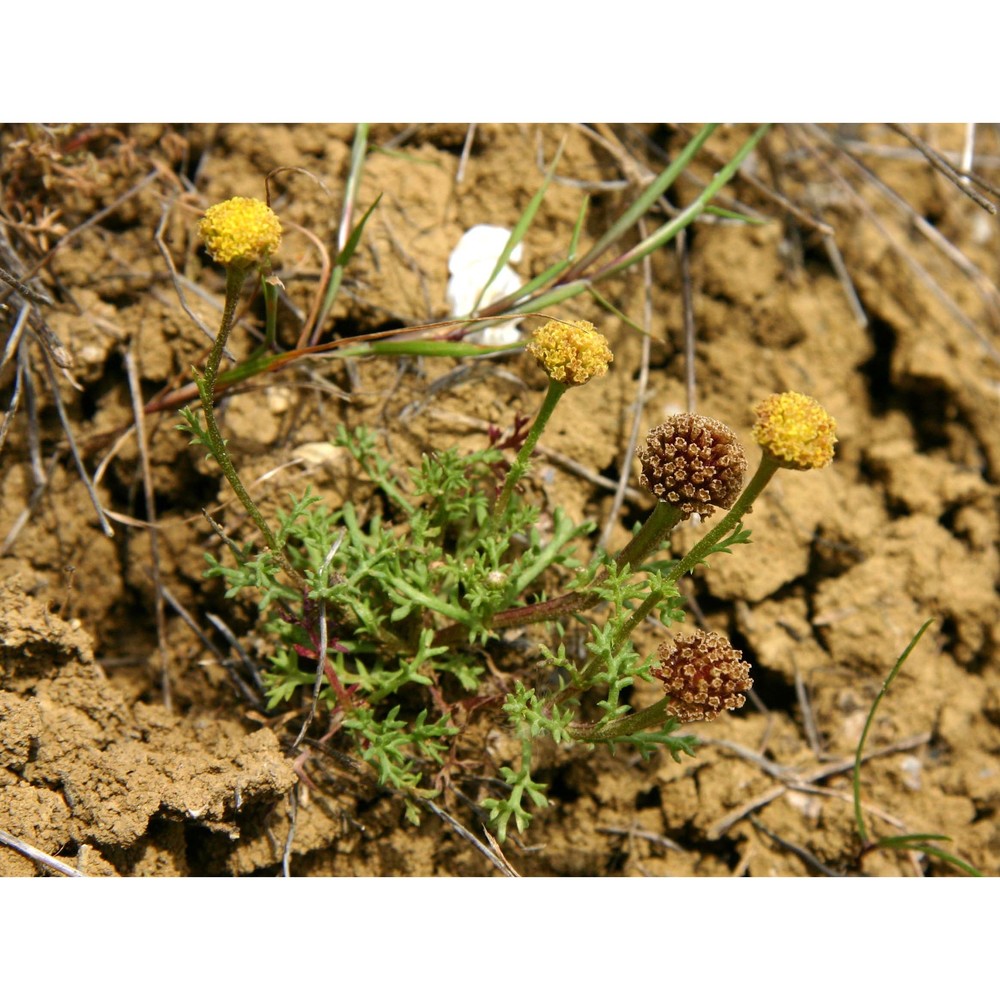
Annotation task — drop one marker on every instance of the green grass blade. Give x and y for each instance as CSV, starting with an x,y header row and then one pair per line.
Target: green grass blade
x,y
574,286
670,229
905,839
523,224
725,213
530,287
615,311
952,860
347,243
924,848
550,274
424,348
559,294
345,255
340,265
858,818
646,200
578,229
921,842
359,151
343,258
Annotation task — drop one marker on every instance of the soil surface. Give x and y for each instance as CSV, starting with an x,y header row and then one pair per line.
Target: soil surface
x,y
870,283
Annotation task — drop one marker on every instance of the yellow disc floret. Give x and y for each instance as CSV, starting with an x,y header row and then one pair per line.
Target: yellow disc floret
x,y
241,232
795,431
570,353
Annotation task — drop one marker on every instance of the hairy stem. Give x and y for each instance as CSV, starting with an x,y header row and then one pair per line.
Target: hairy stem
x,y
206,382
520,465
634,722
740,509
657,526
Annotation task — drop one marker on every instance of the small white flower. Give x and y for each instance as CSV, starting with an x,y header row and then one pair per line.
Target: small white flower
x,y
471,263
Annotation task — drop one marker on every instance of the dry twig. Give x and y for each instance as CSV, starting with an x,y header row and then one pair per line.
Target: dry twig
x,y
39,857
149,495
490,851
939,163
801,781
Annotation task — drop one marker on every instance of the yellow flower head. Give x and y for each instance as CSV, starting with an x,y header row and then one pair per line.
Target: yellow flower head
x,y
571,353
795,431
241,232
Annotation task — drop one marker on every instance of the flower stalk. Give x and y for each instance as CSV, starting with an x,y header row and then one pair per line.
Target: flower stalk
x,y
794,432
706,545
520,464
695,464
642,721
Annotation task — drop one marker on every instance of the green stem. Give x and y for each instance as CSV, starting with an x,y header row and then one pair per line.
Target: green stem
x,y
206,383
638,616
858,815
658,525
271,313
740,509
634,722
596,660
520,466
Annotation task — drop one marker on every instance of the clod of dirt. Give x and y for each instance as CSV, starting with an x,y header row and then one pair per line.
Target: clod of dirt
x,y
81,768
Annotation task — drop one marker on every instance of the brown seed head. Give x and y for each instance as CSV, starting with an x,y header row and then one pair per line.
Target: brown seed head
x,y
694,463
703,675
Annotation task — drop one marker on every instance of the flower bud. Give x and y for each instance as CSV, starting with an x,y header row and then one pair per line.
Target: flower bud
x,y
703,675
795,431
241,232
570,353
694,463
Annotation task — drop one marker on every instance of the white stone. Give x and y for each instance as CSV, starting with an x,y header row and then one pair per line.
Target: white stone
x,y
470,265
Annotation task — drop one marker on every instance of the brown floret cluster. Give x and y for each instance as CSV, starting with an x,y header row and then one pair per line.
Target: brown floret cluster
x,y
694,463
703,675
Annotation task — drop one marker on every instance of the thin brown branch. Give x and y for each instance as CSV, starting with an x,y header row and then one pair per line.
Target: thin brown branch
x,y
984,286
625,469
939,163
175,279
77,457
93,220
807,857
491,852
149,495
293,812
39,857
326,269
789,778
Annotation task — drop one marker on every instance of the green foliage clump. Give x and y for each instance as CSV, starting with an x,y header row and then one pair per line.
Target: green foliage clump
x,y
409,595
392,620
